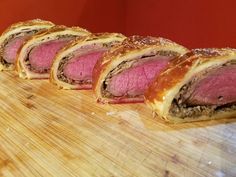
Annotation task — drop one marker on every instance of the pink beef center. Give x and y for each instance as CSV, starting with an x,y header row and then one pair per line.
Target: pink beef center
x,y
81,67
217,88
41,57
135,80
10,51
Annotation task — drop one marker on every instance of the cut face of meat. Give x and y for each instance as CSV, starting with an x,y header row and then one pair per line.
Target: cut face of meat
x,y
41,57
81,67
216,88
12,47
135,80
125,72
73,66
211,91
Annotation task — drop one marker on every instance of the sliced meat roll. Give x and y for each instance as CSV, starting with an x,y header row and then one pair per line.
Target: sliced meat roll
x,y
36,55
201,85
72,67
14,37
124,73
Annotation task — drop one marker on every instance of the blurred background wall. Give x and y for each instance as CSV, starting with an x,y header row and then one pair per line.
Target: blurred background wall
x,y
192,23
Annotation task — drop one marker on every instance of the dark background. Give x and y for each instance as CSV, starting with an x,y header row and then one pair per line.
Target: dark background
x,y
195,24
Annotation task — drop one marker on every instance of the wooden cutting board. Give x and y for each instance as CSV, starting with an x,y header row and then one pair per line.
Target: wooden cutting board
x,y
50,132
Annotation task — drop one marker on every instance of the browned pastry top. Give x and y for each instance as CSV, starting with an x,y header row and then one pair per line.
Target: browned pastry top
x,y
28,23
137,42
58,28
177,69
92,37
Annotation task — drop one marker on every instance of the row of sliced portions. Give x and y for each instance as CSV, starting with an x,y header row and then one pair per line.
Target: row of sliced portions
x,y
179,85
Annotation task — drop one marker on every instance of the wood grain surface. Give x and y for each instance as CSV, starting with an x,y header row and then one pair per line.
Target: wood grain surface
x,y
50,132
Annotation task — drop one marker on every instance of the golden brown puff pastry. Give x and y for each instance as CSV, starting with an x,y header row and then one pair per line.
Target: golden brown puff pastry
x,y
125,71
73,65
200,85
36,55
13,38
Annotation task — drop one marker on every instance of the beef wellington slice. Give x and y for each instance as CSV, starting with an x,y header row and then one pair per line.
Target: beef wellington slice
x,y
125,71
73,66
14,37
36,55
201,86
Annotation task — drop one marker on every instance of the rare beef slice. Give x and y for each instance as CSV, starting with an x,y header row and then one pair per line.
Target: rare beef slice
x,y
73,66
201,86
124,73
13,38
